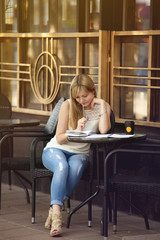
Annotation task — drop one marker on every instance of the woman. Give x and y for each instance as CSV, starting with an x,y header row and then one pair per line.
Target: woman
x,y
68,160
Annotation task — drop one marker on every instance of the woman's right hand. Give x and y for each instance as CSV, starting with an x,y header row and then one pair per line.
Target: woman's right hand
x,y
81,123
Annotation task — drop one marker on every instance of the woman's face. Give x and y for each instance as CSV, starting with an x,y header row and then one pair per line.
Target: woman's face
x,y
85,98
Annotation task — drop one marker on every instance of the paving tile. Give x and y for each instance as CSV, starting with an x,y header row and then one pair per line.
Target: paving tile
x,y
143,237
15,221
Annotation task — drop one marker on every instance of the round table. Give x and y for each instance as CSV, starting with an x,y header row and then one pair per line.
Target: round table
x,y
108,139
12,123
105,145
9,125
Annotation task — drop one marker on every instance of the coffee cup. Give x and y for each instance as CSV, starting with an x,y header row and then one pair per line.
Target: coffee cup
x,y
129,127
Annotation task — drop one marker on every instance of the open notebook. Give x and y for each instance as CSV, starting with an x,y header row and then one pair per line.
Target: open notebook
x,y
76,133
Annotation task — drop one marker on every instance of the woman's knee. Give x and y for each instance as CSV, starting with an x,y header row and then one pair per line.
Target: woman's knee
x,y
78,162
62,166
54,159
81,159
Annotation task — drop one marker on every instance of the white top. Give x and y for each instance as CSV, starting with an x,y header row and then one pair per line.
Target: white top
x,y
91,124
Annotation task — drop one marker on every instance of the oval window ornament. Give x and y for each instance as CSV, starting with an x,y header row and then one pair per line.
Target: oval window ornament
x,y
45,83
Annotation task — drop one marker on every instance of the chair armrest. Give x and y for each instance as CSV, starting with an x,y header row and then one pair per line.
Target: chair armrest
x,y
147,143
19,135
131,151
33,149
37,138
110,156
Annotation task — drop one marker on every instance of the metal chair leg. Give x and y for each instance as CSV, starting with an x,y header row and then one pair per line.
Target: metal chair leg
x,y
114,212
18,176
90,213
33,200
9,179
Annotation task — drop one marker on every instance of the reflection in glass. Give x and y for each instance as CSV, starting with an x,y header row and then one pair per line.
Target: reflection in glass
x,y
40,12
11,15
133,103
94,15
140,104
67,15
50,16
155,93
91,59
143,14
137,14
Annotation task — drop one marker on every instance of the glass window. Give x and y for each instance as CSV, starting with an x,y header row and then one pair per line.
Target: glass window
x,y
134,100
64,54
50,15
7,83
44,67
136,72
40,13
91,58
67,15
155,82
137,15
38,16
131,76
10,15
94,15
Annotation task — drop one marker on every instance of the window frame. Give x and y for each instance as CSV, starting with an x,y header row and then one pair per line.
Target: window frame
x,y
116,65
102,68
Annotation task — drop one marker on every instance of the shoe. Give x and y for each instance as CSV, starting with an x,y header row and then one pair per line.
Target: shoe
x,y
56,228
48,222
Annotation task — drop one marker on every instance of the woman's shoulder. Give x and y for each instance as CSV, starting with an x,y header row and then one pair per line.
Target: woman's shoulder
x,y
65,104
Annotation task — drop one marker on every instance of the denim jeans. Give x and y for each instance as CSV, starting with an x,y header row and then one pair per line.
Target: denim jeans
x,y
67,168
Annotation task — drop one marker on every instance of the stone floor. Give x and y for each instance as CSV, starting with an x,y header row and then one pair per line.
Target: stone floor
x,y
15,221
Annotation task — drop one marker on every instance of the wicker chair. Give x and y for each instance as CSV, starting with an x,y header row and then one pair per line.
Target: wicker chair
x,y
36,167
5,113
122,183
22,163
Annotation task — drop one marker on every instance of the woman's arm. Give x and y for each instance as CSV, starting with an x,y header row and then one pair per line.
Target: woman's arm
x,y
104,121
105,111
62,125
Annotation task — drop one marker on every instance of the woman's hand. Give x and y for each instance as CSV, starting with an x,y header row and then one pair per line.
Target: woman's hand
x,y
97,101
81,123
104,121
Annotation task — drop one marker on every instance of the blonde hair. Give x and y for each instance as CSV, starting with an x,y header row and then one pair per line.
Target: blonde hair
x,y
79,83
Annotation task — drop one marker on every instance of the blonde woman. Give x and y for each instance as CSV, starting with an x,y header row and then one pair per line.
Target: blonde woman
x,y
68,160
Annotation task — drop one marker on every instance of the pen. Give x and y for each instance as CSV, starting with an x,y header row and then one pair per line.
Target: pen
x,y
84,114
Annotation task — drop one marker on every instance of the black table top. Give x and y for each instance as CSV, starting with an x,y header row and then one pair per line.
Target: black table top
x,y
12,123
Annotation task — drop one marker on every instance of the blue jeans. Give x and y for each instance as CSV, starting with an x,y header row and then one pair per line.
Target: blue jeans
x,y
67,168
